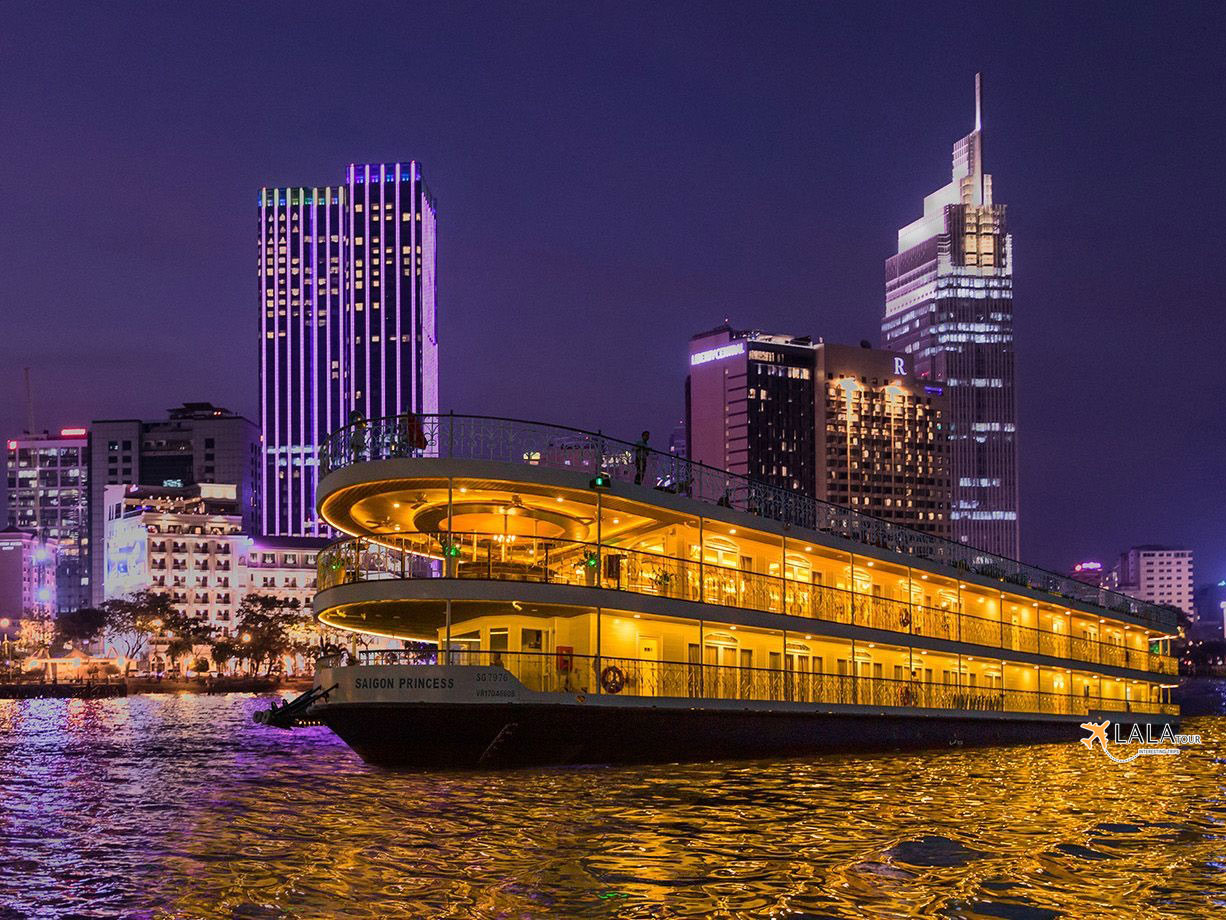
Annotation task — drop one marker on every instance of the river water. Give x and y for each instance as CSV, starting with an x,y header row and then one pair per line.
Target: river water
x,y
180,806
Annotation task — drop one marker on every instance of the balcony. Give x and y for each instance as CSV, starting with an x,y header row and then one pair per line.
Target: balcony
x,y
535,444
569,562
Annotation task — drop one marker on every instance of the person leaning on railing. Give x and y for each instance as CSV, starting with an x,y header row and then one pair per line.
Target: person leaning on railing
x,y
357,435
408,435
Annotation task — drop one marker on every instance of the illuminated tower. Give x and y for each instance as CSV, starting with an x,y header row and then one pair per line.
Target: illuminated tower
x,y
390,291
949,305
303,352
347,292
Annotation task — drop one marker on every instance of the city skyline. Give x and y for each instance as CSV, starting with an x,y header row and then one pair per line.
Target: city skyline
x,y
580,294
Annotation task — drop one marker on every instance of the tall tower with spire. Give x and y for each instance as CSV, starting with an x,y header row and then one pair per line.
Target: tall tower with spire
x,y
949,304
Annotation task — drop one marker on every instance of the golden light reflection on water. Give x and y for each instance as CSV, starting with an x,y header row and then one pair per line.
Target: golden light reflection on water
x,y
177,806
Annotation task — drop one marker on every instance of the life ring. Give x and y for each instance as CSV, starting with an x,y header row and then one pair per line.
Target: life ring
x,y
613,679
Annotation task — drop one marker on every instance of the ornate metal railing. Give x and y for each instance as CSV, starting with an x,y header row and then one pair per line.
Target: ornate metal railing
x,y
565,672
596,565
479,437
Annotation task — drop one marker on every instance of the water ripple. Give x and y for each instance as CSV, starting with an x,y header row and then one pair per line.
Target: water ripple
x,y
165,807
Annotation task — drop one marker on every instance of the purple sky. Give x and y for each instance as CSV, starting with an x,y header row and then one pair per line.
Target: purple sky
x,y
611,179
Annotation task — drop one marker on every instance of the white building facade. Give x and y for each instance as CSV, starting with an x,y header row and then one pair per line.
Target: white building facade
x,y
190,544
1157,574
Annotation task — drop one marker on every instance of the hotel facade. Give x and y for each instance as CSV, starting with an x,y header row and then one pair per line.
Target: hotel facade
x,y
347,293
190,545
27,576
197,444
587,600
949,307
844,424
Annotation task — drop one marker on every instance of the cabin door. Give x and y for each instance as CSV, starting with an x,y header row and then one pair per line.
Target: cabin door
x,y
648,666
721,671
532,663
796,679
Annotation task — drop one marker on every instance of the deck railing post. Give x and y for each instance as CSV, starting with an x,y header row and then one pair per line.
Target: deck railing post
x,y
599,688
448,630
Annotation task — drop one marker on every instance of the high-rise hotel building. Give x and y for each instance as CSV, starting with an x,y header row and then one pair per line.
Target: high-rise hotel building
x,y
48,495
848,425
347,293
949,307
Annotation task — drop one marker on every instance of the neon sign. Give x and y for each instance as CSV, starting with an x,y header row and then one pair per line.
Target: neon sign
x,y
717,354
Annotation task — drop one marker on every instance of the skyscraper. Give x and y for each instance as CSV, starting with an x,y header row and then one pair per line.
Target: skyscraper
x,y
48,494
839,423
347,304
949,305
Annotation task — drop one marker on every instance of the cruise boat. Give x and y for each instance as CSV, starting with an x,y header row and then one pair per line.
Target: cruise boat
x,y
570,598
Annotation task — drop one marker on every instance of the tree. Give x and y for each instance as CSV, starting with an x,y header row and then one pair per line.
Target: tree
x,y
36,633
269,627
132,621
224,650
80,627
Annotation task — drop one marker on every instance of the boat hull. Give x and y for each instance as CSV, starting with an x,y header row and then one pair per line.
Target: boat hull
x,y
443,735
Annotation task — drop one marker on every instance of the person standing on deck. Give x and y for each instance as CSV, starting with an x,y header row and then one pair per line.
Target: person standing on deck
x,y
640,458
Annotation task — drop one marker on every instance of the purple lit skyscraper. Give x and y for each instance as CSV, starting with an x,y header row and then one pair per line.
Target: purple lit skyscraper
x,y
347,293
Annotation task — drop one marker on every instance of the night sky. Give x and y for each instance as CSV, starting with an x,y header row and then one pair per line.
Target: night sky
x,y
613,178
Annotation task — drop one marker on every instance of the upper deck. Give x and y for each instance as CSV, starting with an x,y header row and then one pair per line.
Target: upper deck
x,y
534,444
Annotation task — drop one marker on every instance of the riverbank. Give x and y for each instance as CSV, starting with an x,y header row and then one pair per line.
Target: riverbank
x,y
219,685
27,690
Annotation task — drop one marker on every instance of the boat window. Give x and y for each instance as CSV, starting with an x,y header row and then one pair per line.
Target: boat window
x,y
721,551
796,567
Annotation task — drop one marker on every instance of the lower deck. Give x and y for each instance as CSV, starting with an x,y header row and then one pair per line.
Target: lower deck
x,y
510,709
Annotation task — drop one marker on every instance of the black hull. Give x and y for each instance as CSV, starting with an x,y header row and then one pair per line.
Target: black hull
x,y
426,735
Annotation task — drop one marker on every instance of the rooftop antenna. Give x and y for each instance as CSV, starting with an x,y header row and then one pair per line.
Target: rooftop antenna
x,y
979,165
29,402
978,102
